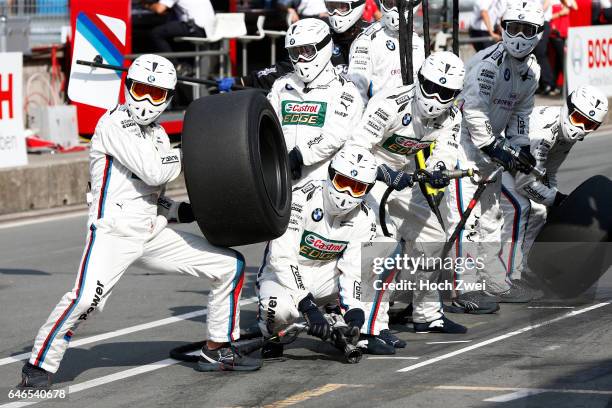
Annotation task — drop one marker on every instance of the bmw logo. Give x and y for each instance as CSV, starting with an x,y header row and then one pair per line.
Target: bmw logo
x,y
507,74
151,78
292,41
521,16
354,173
442,80
336,50
317,214
288,87
592,113
406,119
390,45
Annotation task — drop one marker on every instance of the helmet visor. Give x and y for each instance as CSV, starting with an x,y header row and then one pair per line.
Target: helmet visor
x,y
341,8
528,30
142,91
307,52
577,118
439,92
354,187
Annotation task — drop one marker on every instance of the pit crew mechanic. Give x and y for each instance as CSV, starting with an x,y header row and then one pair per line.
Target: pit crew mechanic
x,y
398,122
346,23
130,162
319,254
554,130
497,102
374,62
316,106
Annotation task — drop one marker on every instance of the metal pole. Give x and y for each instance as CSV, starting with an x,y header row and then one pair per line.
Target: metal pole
x,y
456,27
426,38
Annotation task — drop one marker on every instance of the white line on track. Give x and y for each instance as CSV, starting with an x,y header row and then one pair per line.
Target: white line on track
x,y
391,358
502,337
127,330
85,385
550,307
514,395
448,342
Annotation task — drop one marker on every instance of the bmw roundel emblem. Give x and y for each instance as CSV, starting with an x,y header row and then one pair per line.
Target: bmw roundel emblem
x,y
292,41
406,119
442,80
507,74
592,113
151,78
317,214
336,50
390,45
354,173
288,87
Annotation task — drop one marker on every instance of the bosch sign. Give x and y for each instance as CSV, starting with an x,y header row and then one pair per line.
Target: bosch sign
x,y
589,59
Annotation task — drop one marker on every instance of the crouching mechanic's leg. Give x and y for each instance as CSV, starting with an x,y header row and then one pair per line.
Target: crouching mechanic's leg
x,y
105,259
177,251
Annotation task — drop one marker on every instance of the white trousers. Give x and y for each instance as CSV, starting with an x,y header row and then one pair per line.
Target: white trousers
x,y
107,256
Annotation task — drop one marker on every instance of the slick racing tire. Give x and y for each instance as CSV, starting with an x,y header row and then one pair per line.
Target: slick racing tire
x,y
236,168
571,251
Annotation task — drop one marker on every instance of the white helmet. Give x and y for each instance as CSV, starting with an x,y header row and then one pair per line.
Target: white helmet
x,y
149,87
440,81
343,14
522,27
309,44
584,111
352,174
390,11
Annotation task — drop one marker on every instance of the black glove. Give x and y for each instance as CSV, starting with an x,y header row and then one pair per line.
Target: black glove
x,y
438,179
185,213
559,198
318,326
354,318
499,155
295,163
399,180
525,162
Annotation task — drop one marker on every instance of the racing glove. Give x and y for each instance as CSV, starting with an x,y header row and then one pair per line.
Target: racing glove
x,y
318,326
525,162
354,318
399,180
497,152
559,198
295,163
225,84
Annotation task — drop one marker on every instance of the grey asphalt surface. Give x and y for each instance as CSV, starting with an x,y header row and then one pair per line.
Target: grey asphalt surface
x,y
560,363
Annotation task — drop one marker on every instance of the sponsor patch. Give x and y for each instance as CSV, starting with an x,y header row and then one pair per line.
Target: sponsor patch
x,y
390,45
317,215
403,145
507,74
304,113
316,247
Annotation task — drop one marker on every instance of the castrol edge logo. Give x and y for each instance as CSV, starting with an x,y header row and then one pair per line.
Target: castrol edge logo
x,y
307,113
313,246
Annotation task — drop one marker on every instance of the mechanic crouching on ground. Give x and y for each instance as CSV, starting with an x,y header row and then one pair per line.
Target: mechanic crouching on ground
x,y
320,253
130,162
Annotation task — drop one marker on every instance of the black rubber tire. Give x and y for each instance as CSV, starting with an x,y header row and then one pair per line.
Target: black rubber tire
x,y
571,251
236,168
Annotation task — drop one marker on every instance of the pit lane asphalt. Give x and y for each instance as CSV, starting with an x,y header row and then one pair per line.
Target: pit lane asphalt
x,y
526,369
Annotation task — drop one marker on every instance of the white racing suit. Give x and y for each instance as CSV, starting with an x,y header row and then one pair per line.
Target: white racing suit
x,y
317,118
524,198
129,166
393,130
319,254
374,61
497,99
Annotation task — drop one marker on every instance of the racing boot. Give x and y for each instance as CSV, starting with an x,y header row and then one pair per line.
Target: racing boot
x,y
474,302
391,339
369,344
34,377
272,349
226,358
515,294
441,325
